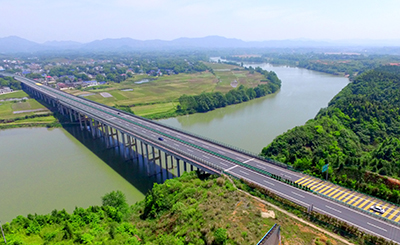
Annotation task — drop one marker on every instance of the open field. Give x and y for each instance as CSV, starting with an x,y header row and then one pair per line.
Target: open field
x,y
8,108
16,94
159,94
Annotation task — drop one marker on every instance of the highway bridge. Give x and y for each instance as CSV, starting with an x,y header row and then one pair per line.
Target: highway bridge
x,y
164,144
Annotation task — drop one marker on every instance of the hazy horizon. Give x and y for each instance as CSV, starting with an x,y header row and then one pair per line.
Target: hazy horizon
x,y
253,20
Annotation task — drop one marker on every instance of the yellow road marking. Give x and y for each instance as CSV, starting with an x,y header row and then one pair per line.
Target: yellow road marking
x,y
308,182
339,193
38,84
333,192
345,194
362,204
357,202
352,198
397,219
388,211
370,205
313,183
394,213
319,187
297,181
324,189
303,181
314,188
329,190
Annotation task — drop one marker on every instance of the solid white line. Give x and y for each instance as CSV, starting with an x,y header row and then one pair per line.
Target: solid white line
x,y
189,150
206,157
206,146
230,167
297,194
244,172
176,144
334,209
269,182
248,160
376,226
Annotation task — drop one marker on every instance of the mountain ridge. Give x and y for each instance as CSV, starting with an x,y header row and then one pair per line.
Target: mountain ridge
x,y
14,44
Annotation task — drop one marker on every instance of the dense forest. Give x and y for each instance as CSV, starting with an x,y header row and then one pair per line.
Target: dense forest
x,y
357,134
210,101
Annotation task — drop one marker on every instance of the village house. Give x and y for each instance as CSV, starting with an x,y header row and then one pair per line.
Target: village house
x,y
5,90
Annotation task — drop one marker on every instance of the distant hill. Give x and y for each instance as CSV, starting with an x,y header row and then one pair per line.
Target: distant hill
x,y
15,44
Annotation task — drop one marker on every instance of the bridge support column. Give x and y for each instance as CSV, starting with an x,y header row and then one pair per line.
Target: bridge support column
x,y
117,134
80,121
70,115
92,129
147,156
129,145
191,167
86,123
107,137
178,170
97,129
184,166
154,159
123,145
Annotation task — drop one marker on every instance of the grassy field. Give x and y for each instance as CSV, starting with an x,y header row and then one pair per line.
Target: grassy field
x,y
17,94
159,96
7,109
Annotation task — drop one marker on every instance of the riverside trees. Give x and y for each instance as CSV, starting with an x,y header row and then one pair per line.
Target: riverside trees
x,y
210,101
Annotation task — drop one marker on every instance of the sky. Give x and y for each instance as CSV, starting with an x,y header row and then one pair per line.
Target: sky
x,y
249,20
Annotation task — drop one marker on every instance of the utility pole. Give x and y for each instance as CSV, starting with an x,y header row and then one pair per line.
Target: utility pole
x,y
2,232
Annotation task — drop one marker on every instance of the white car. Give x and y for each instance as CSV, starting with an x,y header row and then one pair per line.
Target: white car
x,y
378,209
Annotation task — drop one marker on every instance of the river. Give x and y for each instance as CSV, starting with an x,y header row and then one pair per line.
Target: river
x,y
44,169
254,124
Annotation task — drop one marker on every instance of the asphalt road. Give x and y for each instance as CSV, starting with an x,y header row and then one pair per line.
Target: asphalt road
x,y
129,123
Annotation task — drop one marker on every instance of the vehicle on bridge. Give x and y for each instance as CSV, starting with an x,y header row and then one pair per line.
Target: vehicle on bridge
x,y
378,209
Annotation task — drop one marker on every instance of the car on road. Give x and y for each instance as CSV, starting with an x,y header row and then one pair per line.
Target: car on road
x,y
160,138
378,209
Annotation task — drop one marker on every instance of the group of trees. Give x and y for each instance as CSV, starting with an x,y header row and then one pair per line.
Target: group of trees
x,y
210,101
10,82
182,211
358,133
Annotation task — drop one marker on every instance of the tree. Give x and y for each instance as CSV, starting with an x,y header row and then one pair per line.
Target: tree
x,y
115,199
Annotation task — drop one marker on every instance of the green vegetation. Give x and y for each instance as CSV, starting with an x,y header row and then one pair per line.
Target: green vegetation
x,y
10,82
159,97
210,101
19,94
185,210
345,64
357,134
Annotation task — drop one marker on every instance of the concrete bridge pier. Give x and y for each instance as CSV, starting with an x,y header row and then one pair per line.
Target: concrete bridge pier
x,y
147,157
178,169
70,115
107,136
